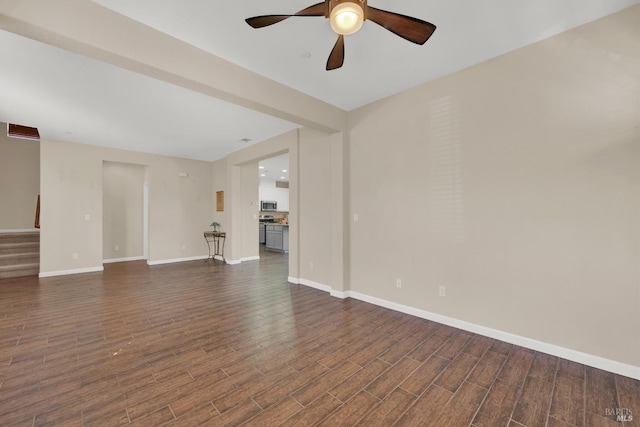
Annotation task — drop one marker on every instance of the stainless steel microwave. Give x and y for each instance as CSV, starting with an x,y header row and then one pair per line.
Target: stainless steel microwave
x,y
268,205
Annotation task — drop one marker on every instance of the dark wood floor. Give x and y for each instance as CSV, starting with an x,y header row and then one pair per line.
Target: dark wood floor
x,y
210,344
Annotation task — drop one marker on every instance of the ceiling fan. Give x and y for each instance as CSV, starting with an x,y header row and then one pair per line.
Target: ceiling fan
x,y
347,16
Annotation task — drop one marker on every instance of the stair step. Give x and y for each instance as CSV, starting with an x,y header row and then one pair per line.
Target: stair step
x,y
20,237
19,270
19,248
19,254
20,258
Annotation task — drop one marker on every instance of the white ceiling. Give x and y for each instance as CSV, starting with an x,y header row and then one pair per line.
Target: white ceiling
x,y
275,168
73,98
69,97
377,62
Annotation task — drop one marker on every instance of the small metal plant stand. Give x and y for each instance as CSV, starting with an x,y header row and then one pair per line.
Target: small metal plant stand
x,y
215,243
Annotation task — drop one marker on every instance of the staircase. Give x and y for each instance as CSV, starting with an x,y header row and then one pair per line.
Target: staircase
x,y
19,254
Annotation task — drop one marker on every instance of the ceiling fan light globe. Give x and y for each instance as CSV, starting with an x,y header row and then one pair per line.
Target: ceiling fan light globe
x,y
347,18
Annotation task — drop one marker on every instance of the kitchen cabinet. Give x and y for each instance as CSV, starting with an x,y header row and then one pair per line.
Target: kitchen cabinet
x,y
283,199
263,234
277,237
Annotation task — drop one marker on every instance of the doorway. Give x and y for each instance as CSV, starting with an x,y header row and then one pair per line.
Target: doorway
x,y
273,194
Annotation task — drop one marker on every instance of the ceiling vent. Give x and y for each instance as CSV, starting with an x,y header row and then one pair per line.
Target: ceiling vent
x,y
23,132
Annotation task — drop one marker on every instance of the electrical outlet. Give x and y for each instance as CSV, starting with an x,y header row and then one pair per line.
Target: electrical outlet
x,y
74,255
311,265
356,217
184,247
398,283
116,248
443,291
87,217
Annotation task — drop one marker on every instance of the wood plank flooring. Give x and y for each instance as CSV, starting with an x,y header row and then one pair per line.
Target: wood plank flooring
x,y
203,343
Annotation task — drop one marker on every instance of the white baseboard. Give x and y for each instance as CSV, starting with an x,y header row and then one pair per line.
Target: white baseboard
x,y
112,260
319,286
250,258
174,260
315,285
339,294
616,367
66,272
233,261
552,349
19,230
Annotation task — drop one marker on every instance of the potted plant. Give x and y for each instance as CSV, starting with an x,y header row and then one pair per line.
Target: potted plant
x,y
215,226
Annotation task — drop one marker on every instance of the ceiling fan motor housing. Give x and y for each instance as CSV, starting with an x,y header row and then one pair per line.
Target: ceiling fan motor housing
x,y
330,4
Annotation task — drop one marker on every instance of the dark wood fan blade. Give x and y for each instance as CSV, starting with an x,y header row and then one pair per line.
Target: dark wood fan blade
x,y
336,57
266,20
413,29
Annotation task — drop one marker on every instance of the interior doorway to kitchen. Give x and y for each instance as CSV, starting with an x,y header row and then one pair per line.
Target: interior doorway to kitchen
x,y
243,182
273,195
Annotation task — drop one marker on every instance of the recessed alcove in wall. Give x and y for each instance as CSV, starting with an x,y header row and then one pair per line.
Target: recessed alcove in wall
x,y
124,201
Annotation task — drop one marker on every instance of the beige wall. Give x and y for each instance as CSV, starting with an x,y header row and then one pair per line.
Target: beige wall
x,y
316,263
249,209
219,183
515,184
19,181
71,185
122,198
